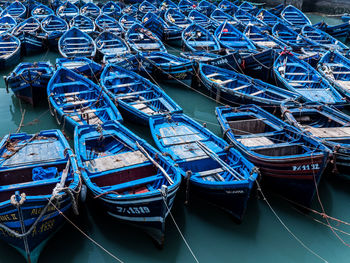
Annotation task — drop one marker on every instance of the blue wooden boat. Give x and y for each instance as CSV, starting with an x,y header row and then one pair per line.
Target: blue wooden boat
x,y
234,88
90,10
111,9
108,23
81,65
7,23
219,16
290,162
35,169
75,100
328,125
336,69
54,27
277,10
17,10
169,67
165,5
75,43
132,62
323,39
83,23
292,38
213,172
67,11
262,39
197,38
228,7
201,19
146,7
270,19
186,6
110,44
246,6
205,7
345,17
231,38
137,98
127,21
298,76
28,81
41,11
129,178
176,18
142,39
130,10
340,31
295,17
246,19
10,50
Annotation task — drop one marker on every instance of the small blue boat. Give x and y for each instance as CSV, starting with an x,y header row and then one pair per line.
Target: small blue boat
x,y
75,100
40,12
234,88
186,6
108,23
130,10
270,19
67,11
10,50
277,10
200,19
336,69
35,169
291,163
17,10
220,17
205,7
165,5
83,23
169,67
128,177
340,31
262,39
7,23
111,9
54,27
141,39
228,7
246,19
127,21
90,10
176,18
197,38
137,98
246,6
28,81
298,76
231,38
75,43
323,39
146,7
211,169
81,65
328,125
110,44
295,17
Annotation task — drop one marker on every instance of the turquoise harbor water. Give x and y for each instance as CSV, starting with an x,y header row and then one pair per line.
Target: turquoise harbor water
x,y
211,234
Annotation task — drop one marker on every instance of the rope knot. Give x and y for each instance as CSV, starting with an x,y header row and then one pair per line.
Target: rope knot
x,y
17,203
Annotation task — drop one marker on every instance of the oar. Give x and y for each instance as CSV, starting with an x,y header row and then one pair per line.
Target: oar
x,y
214,156
166,175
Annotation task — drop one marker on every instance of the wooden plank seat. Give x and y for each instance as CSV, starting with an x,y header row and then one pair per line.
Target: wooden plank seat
x,y
122,85
256,141
257,92
333,132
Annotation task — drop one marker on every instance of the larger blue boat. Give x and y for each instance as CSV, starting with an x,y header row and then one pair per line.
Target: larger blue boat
x,y
39,177
197,38
234,88
16,10
298,76
291,163
128,177
75,43
141,39
211,169
75,100
328,125
28,81
295,17
137,98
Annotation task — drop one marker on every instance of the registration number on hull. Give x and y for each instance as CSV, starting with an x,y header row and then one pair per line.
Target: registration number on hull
x,y
305,167
133,210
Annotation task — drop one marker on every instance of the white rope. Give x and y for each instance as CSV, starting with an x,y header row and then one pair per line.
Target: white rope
x,y
179,230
